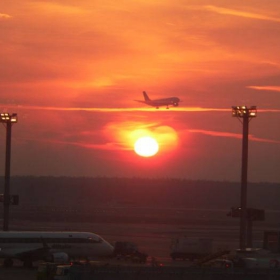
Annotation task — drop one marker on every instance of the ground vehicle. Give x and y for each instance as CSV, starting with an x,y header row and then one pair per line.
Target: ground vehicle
x,y
221,264
128,250
271,241
184,248
256,258
46,271
62,272
123,248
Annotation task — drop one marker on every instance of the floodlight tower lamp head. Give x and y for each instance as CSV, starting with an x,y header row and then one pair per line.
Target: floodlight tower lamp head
x,y
244,111
8,118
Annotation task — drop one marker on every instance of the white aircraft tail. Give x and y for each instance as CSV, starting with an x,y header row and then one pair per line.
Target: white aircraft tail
x,y
146,97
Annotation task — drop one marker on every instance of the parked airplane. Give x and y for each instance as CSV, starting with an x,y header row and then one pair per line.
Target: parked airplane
x,y
51,246
160,102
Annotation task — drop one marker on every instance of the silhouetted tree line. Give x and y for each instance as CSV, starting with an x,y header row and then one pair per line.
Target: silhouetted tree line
x,y
87,193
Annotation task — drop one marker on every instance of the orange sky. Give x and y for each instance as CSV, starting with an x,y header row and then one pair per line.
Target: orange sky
x,y
72,70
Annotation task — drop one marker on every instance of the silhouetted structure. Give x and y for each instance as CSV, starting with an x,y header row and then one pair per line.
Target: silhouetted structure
x,y
7,120
246,114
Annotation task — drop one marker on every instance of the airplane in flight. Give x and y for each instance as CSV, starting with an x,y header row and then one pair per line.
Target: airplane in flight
x,y
58,247
159,102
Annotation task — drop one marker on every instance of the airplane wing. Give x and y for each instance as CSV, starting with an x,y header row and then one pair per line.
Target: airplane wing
x,y
35,254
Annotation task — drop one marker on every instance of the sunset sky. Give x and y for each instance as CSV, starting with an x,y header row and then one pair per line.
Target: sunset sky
x,y
71,70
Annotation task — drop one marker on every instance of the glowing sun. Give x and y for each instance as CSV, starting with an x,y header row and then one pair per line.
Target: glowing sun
x,y
146,146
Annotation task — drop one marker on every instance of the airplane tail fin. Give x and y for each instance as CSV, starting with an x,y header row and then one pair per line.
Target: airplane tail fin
x,y
146,97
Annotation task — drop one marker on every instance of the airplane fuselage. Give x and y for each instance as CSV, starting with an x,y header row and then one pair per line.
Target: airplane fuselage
x,y
173,101
75,244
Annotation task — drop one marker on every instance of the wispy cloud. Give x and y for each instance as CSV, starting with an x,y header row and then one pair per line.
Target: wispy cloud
x,y
216,133
105,146
232,135
233,12
6,107
269,88
130,109
5,16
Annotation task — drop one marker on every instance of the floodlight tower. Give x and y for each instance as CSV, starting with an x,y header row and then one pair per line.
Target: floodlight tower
x,y
246,114
7,120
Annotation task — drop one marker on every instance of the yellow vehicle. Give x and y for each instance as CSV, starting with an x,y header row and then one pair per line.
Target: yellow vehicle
x,y
46,271
62,272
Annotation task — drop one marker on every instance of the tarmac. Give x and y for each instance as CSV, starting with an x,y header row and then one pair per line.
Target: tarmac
x,y
153,239
17,273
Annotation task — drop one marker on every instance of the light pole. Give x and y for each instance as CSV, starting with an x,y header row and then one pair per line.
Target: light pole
x,y
7,120
245,114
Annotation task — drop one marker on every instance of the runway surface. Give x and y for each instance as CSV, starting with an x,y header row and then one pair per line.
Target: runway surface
x,y
152,239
